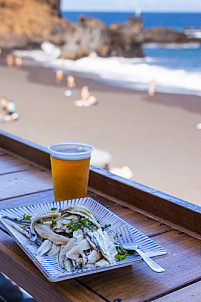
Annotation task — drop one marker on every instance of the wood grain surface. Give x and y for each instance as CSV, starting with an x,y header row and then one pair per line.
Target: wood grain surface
x,y
24,182
139,283
25,179
189,293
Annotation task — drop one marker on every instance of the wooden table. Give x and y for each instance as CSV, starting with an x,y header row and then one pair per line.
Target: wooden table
x,y
25,178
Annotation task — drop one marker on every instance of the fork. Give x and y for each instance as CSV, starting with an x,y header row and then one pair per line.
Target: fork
x,y
128,242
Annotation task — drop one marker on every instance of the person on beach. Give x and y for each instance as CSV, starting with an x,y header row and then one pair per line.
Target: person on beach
x,y
85,93
18,61
8,113
124,171
9,60
70,82
59,76
86,99
70,85
151,90
92,100
3,107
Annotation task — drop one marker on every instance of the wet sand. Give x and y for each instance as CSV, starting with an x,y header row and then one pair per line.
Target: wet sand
x,y
156,137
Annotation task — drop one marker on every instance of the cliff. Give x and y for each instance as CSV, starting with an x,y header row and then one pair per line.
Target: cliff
x,y
30,22
26,23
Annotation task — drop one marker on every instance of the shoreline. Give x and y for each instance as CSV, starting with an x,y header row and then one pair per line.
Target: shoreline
x,y
36,74
156,137
40,74
112,80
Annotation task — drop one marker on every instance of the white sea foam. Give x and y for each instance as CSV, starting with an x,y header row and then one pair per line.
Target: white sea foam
x,y
193,33
192,45
132,73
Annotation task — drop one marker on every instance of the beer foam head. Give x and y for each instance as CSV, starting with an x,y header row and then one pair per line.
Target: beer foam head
x,y
70,151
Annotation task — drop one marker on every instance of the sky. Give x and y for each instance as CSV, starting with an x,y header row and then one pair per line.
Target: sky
x,y
132,5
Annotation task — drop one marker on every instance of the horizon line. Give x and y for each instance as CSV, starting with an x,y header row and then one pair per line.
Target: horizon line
x,y
120,11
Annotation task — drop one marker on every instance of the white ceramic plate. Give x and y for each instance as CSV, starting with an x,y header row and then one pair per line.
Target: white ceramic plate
x,y
49,266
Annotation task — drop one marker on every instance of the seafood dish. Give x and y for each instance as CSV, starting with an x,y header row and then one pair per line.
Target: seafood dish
x,y
74,236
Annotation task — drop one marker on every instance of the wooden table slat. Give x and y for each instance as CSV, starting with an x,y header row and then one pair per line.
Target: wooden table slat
x,y
43,197
25,182
186,294
34,198
10,164
2,152
144,224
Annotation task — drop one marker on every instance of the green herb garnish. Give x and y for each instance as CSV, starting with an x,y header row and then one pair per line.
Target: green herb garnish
x,y
123,253
106,226
26,217
53,209
54,222
79,224
73,226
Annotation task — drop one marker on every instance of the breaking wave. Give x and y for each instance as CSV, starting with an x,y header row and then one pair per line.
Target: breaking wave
x,y
131,73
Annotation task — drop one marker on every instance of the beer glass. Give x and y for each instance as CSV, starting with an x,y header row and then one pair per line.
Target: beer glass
x,y
70,169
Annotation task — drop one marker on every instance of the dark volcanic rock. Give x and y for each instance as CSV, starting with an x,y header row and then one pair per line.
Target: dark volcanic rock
x,y
164,35
91,35
126,39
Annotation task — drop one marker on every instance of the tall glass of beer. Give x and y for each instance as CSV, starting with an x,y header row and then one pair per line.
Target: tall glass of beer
x,y
70,169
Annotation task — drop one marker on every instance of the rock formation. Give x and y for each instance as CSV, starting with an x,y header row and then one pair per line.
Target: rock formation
x,y
126,39
164,35
28,23
91,35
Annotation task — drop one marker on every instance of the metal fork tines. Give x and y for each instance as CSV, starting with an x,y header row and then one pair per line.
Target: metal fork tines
x,y
128,242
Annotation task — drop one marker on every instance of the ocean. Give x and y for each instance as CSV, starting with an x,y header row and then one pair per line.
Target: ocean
x,y
176,21
175,69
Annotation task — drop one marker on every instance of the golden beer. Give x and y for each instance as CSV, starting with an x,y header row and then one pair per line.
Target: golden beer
x,y
70,170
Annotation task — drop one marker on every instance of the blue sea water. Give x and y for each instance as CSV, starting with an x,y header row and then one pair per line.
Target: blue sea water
x,y
175,68
177,21
186,59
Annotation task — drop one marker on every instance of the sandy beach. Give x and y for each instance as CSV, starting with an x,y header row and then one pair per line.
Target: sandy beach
x,y
156,137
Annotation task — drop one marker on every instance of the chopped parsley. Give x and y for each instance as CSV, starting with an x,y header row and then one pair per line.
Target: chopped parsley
x,y
79,224
53,209
54,222
106,226
123,253
26,217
